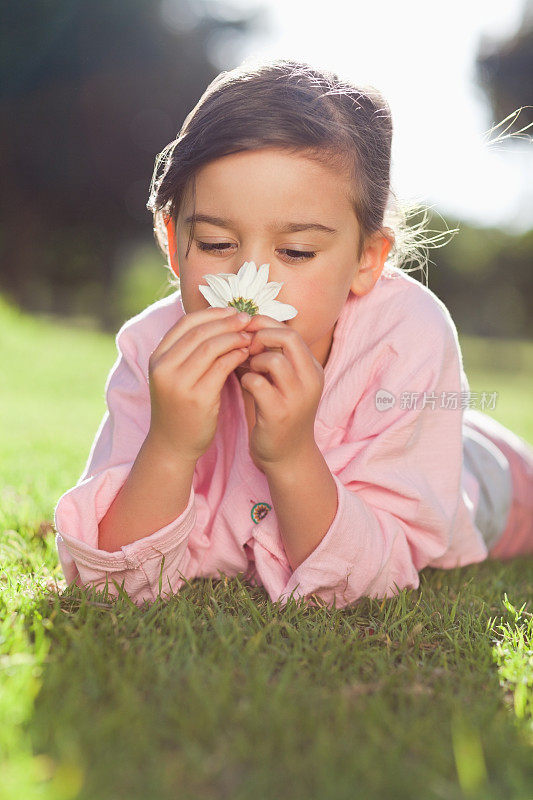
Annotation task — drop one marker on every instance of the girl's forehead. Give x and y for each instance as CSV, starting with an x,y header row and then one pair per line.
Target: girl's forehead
x,y
269,183
271,163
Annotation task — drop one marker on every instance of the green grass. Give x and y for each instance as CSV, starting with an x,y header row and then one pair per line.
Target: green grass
x,y
220,693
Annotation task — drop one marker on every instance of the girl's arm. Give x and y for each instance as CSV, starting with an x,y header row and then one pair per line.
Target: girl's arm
x,y
156,491
144,544
397,473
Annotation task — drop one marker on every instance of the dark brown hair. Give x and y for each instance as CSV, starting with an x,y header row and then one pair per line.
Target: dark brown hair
x,y
304,110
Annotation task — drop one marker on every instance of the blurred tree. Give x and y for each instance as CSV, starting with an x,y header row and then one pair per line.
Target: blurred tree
x,y
484,277
505,70
90,92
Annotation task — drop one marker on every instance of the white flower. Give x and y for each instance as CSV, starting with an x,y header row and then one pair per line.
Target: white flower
x,y
248,291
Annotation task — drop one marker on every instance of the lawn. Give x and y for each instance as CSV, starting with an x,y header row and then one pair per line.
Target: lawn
x,y
219,693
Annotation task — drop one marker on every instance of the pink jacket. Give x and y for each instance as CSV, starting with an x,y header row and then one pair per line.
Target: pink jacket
x,y
405,500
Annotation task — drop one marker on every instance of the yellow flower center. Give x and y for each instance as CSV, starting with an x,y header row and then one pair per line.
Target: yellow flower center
x,y
241,304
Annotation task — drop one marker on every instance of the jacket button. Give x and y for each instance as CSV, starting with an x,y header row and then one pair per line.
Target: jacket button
x,y
259,511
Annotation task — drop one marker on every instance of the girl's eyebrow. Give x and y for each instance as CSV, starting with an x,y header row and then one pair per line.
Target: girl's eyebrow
x,y
289,227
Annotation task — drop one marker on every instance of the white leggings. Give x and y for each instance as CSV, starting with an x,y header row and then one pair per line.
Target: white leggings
x,y
491,468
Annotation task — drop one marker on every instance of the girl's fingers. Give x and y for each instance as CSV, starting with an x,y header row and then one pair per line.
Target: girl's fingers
x,y
225,319
279,369
258,321
292,345
210,356
265,395
210,384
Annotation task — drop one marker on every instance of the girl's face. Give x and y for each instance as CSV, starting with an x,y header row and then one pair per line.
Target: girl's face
x,y
254,195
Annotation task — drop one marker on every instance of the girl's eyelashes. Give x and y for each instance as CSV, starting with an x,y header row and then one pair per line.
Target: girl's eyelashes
x,y
292,255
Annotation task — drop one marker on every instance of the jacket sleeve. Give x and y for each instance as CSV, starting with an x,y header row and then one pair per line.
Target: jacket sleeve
x,y
139,565
397,472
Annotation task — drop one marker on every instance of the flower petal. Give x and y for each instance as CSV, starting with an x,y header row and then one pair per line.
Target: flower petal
x,y
279,311
269,292
234,286
219,285
212,297
261,278
246,276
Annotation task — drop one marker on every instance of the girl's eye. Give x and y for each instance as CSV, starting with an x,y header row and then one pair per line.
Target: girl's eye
x,y
216,246
293,255
299,255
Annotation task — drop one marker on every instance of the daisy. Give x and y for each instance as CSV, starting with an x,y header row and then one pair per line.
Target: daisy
x,y
248,290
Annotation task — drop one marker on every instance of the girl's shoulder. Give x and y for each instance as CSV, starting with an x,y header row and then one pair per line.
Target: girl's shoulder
x,y
397,337
400,316
141,334
408,305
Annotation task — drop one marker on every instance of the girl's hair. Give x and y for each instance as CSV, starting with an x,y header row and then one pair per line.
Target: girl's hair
x,y
303,110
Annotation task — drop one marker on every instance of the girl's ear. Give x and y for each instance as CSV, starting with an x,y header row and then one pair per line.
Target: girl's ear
x,y
172,246
371,265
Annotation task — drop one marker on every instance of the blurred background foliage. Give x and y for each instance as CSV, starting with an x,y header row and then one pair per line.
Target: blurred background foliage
x,y
92,90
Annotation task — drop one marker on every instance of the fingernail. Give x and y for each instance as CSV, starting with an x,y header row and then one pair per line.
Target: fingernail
x,y
244,316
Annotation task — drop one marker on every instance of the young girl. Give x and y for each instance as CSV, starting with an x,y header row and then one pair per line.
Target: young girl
x,y
332,452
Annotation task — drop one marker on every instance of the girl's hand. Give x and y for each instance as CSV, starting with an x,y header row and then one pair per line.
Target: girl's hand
x,y
286,395
187,371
